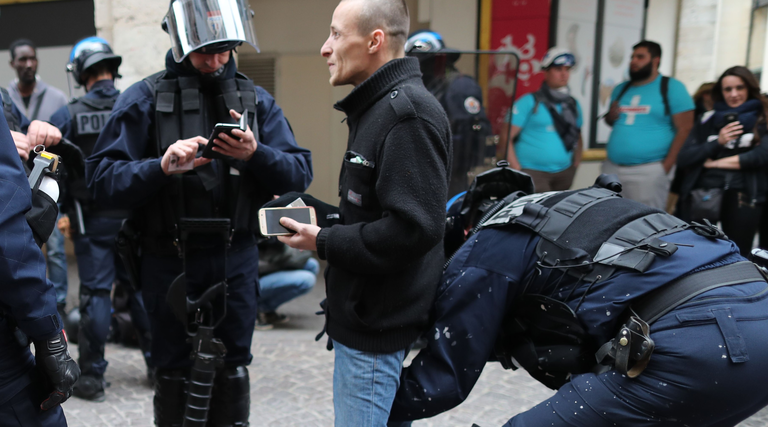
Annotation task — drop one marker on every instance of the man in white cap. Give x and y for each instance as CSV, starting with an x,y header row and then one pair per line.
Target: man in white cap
x,y
545,137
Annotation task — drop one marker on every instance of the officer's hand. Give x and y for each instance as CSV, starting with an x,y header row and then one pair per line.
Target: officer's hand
x,y
305,237
53,358
22,145
184,151
241,147
42,133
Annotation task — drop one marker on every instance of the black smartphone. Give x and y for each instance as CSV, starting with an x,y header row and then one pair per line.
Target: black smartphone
x,y
269,219
226,128
730,117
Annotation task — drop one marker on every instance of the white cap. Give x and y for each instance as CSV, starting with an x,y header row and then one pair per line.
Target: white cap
x,y
557,56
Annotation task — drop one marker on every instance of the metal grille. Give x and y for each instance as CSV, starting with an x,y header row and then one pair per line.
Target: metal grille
x,y
258,68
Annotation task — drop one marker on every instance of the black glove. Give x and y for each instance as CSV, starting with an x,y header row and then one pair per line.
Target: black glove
x,y
53,358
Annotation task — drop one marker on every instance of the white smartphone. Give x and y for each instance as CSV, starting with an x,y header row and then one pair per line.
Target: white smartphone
x,y
269,219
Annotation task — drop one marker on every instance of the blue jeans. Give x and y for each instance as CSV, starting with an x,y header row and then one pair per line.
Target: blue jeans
x,y
364,386
280,287
57,263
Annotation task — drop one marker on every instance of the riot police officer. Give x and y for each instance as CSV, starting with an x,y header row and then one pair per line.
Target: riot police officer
x,y
31,395
462,100
94,66
637,318
147,157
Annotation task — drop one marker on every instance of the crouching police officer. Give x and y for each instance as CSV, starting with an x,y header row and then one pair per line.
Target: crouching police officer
x,y
32,386
637,318
94,227
197,217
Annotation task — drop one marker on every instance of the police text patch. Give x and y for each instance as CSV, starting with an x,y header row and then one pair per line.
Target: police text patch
x,y
91,122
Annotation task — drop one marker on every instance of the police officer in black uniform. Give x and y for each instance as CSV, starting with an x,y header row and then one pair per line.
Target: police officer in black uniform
x,y
147,157
94,66
32,386
462,100
634,316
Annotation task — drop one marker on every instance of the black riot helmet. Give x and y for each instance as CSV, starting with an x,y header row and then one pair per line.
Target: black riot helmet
x,y
87,53
465,211
425,44
208,26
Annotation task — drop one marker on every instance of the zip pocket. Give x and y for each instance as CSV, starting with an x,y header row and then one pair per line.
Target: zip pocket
x,y
357,182
358,159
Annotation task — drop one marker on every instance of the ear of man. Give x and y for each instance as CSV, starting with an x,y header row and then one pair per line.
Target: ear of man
x,y
378,41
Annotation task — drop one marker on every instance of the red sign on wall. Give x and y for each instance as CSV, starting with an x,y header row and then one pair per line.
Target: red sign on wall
x,y
521,26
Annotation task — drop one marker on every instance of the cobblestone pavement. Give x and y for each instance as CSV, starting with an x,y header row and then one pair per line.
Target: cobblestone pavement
x,y
291,382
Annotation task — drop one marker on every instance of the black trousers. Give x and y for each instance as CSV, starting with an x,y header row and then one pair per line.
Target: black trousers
x,y
764,230
739,218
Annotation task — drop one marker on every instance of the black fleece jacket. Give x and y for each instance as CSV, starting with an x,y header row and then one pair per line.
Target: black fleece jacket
x,y
385,258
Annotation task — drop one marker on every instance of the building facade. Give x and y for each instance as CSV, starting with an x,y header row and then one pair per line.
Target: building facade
x,y
700,39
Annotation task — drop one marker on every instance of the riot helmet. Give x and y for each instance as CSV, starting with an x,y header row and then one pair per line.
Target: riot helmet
x,y
465,211
208,26
422,43
87,53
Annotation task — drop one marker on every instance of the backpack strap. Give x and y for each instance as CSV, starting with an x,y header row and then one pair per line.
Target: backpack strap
x,y
664,94
623,91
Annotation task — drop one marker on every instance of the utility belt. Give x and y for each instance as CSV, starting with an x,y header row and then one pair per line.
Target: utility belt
x,y
630,351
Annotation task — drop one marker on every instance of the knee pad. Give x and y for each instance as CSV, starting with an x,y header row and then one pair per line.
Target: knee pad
x,y
231,401
170,397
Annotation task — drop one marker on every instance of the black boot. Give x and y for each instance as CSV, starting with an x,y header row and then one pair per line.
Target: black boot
x,y
231,401
90,387
170,397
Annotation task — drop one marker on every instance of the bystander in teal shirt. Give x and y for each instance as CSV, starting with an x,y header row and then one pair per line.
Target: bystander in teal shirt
x,y
539,146
643,133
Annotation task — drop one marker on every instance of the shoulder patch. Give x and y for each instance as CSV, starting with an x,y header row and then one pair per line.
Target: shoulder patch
x,y
472,105
399,100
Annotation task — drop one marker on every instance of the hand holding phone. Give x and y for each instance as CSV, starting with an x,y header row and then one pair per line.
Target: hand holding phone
x,y
731,128
269,219
226,128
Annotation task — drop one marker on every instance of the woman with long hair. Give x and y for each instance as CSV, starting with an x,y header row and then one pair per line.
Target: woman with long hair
x,y
725,159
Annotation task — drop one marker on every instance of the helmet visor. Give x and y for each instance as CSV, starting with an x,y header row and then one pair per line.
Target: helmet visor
x,y
193,24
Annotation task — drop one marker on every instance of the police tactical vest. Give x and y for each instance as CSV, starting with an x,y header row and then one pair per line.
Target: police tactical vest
x,y
14,123
583,239
185,108
88,119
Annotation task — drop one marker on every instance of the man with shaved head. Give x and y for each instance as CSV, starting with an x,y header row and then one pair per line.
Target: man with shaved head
x,y
385,256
